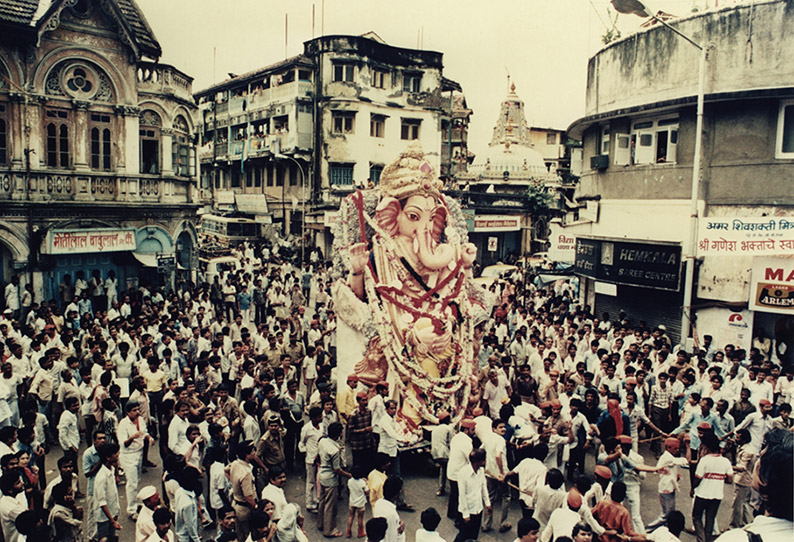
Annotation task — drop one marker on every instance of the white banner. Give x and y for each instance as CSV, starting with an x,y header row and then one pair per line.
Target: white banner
x,y
495,223
80,241
753,236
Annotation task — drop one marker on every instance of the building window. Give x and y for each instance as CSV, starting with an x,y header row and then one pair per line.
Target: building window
x,y
258,177
292,171
3,136
269,180
235,178
377,126
100,141
305,75
343,122
281,124
412,82
180,148
374,172
379,78
551,139
344,72
149,137
603,144
279,176
341,174
409,129
57,130
654,141
784,147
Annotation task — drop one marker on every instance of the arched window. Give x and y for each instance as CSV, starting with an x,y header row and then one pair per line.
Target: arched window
x,y
150,124
101,142
181,152
57,130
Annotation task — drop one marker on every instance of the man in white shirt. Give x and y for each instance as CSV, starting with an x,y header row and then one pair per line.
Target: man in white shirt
x,y
387,508
106,494
131,434
144,525
274,491
473,497
459,449
563,519
12,503
68,430
495,470
309,440
713,471
177,429
760,389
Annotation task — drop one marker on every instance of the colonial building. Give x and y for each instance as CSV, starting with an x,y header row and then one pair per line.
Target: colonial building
x,y
296,136
496,190
97,159
639,137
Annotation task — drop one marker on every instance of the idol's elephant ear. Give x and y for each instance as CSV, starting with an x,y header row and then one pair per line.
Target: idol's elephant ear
x,y
386,215
439,222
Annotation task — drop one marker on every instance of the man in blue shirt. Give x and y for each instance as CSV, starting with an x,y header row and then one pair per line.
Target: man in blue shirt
x,y
704,418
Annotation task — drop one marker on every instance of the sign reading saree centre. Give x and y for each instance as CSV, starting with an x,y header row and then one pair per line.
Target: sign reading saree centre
x,y
80,241
634,263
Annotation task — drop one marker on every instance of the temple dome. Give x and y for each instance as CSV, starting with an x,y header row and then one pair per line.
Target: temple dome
x,y
510,149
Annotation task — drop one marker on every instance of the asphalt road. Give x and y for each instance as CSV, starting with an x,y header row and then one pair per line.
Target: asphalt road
x,y
420,491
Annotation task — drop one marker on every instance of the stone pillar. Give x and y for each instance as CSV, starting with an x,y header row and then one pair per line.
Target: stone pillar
x,y
128,139
81,135
166,141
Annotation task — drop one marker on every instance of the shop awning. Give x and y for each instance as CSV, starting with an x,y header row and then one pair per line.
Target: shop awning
x,y
147,260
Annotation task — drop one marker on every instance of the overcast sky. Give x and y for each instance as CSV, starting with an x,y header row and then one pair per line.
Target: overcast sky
x,y
543,44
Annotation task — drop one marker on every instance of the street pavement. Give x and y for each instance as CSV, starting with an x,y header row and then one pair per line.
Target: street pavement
x,y
420,491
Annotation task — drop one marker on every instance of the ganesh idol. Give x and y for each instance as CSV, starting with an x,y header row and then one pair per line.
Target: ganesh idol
x,y
403,292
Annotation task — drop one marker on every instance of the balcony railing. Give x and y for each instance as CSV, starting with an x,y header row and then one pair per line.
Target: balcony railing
x,y
89,187
165,79
503,201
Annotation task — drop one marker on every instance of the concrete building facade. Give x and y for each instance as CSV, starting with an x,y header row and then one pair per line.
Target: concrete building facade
x,y
97,160
306,131
633,227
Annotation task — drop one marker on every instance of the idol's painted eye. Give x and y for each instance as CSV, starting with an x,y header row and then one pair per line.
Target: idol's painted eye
x,y
413,217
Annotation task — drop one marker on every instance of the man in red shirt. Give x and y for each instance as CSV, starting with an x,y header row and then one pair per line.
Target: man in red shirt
x,y
613,516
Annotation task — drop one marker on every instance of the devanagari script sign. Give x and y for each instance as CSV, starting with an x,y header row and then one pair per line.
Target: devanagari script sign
x,y
746,236
99,241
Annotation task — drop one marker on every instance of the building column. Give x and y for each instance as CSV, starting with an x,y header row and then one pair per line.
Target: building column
x,y
166,142
128,134
81,135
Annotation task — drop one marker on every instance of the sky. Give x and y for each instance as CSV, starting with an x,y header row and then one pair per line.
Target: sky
x,y
543,45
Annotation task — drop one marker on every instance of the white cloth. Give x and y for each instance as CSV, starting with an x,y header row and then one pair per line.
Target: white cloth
x,y
219,484
560,524
358,496
276,495
144,525
10,508
495,448
459,449
387,509
472,492
68,431
668,476
106,493
531,476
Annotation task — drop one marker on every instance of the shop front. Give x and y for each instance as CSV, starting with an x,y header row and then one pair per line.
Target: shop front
x,y
772,301
642,279
497,237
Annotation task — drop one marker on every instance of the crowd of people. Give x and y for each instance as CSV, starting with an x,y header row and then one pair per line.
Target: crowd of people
x,y
231,387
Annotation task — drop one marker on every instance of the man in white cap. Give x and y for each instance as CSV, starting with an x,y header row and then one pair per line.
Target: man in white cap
x,y
144,526
132,433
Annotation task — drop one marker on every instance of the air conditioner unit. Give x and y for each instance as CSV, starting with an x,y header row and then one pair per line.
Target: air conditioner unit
x,y
600,161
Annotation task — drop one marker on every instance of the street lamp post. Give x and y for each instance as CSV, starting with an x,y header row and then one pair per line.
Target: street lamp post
x,y
303,203
640,8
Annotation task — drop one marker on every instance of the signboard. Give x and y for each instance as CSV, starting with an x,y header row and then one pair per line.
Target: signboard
x,y
772,285
725,327
166,264
634,263
254,204
81,241
764,236
562,248
492,244
495,223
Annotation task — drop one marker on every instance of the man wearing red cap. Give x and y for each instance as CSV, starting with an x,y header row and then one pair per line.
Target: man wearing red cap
x,y
563,519
667,466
